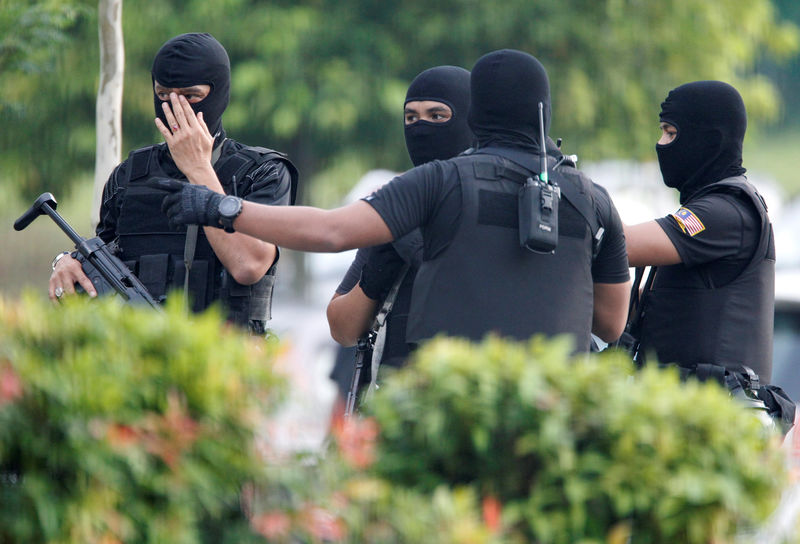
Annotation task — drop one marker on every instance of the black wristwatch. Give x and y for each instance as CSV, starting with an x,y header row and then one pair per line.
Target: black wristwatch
x,y
229,209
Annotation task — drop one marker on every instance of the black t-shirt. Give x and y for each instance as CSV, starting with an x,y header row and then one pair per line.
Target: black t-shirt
x,y
268,183
718,232
429,197
409,247
353,273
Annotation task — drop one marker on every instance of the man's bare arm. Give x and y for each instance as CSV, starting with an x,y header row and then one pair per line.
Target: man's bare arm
x,y
610,309
312,229
350,315
648,245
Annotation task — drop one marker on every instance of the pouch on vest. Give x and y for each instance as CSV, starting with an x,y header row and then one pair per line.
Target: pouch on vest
x,y
744,385
153,274
538,216
198,281
248,303
780,407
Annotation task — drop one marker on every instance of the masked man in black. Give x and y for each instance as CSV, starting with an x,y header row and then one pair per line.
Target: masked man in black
x,y
712,300
435,125
209,264
475,278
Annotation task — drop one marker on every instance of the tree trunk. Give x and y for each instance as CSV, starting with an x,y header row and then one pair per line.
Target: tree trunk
x,y
108,116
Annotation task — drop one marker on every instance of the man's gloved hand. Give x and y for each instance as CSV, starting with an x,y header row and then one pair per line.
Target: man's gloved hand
x,y
188,204
380,271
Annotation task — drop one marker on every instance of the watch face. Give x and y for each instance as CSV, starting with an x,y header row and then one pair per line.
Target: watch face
x,y
229,206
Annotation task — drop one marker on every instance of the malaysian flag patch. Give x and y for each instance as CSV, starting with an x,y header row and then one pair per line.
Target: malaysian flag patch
x,y
688,221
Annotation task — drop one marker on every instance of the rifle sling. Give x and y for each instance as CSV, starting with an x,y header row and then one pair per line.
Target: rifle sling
x,y
367,343
190,244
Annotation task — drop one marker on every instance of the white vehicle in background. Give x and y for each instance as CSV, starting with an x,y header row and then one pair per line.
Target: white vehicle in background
x,y
786,351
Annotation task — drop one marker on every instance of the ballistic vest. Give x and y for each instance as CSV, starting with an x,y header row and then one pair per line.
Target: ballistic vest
x,y
485,282
689,322
154,251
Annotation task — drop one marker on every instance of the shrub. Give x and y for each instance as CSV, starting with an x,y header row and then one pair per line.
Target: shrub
x,y
118,424
336,498
577,449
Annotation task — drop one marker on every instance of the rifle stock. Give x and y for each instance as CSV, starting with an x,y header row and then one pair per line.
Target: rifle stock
x,y
107,273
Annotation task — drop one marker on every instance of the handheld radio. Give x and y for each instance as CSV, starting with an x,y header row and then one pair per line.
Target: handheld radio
x,y
538,204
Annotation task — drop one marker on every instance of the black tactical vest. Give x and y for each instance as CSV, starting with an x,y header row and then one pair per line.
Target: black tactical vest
x,y
485,282
155,252
728,325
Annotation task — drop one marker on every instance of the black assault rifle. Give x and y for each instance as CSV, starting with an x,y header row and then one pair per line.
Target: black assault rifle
x,y
107,273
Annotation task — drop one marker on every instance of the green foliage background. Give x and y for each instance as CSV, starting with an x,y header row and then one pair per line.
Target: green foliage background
x,y
324,79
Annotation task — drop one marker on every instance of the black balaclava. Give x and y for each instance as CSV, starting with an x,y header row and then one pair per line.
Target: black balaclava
x,y
427,141
711,121
507,86
195,59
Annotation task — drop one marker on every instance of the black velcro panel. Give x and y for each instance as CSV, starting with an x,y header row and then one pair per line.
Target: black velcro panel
x,y
140,163
501,210
485,170
497,209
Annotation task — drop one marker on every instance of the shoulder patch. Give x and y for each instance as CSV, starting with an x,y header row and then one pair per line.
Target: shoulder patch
x,y
688,221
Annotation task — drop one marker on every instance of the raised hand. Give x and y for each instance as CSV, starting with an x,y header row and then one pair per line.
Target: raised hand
x,y
189,141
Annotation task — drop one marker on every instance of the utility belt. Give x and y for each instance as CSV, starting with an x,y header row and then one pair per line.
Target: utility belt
x,y
745,386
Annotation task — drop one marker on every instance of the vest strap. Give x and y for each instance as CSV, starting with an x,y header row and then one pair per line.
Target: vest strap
x,y
579,194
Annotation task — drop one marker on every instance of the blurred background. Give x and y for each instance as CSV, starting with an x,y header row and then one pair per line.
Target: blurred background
x,y
324,81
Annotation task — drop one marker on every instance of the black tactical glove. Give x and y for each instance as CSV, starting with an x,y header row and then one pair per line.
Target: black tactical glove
x,y
380,271
188,204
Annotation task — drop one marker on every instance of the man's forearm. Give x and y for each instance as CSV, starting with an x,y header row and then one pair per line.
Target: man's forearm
x,y
610,309
350,315
312,229
247,259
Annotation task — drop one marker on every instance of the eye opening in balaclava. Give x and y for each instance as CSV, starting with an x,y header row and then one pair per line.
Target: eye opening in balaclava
x,y
427,141
195,59
711,120
506,88
674,124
